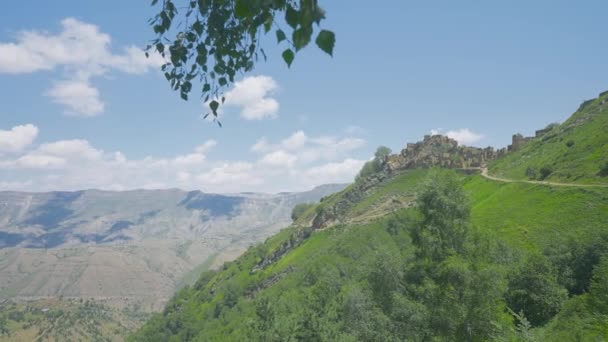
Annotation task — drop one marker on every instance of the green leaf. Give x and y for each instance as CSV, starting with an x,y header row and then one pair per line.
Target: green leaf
x,y
214,105
198,27
280,36
222,81
268,22
326,41
206,87
241,9
288,57
301,38
291,16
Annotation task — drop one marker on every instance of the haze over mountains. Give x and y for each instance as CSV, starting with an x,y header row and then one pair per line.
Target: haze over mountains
x,y
131,248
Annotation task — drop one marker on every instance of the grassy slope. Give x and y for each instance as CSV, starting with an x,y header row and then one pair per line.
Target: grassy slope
x,y
527,217
580,163
532,216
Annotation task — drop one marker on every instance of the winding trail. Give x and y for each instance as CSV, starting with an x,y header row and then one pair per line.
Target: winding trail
x,y
484,173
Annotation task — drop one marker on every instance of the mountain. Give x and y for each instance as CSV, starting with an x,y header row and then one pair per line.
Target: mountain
x,y
417,252
132,248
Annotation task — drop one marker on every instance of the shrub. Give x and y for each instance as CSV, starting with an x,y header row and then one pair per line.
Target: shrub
x,y
570,143
545,171
531,172
374,165
299,210
534,290
604,170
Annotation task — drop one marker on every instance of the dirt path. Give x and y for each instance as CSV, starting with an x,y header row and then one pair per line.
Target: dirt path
x,y
484,173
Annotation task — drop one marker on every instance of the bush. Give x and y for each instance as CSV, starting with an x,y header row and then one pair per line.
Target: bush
x,y
531,172
299,210
374,165
570,143
534,290
599,286
545,171
604,170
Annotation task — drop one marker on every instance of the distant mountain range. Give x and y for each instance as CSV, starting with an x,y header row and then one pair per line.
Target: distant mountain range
x,y
132,247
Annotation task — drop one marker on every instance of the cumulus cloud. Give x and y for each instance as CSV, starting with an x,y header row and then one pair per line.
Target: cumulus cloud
x,y
82,51
295,141
295,162
73,149
252,96
79,97
335,171
279,159
463,136
17,138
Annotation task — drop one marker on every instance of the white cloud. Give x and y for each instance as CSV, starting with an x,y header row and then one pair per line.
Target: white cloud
x,y
279,159
72,149
233,176
190,159
82,51
261,145
335,172
206,146
39,161
295,141
286,165
80,98
17,138
463,136
251,94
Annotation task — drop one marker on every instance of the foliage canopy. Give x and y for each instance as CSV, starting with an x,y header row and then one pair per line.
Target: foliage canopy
x,y
215,40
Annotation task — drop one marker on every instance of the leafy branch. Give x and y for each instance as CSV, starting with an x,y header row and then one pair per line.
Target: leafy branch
x,y
216,40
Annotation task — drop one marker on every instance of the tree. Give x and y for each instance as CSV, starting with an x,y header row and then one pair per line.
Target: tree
x,y
604,170
599,286
534,290
451,277
374,165
445,211
216,40
382,152
545,171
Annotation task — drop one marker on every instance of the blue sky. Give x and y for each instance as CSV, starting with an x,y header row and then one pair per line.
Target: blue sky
x,y
99,116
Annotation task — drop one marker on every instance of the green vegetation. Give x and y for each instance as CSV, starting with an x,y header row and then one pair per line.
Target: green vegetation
x,y
374,165
300,209
416,274
65,320
573,152
425,255
217,40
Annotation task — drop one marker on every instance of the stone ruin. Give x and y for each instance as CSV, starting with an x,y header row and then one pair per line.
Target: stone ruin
x,y
442,151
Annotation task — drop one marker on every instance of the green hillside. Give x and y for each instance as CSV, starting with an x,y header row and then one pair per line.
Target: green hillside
x,y
575,151
425,255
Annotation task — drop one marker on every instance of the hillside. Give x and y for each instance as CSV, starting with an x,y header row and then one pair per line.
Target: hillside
x,y
126,252
574,151
369,263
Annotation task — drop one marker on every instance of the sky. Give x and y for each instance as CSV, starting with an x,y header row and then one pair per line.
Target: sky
x,y
82,108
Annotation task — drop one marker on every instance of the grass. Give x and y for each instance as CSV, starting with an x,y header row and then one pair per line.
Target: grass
x,y
581,162
532,216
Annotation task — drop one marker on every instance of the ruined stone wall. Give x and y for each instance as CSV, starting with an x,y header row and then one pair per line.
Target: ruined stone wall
x,y
440,151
